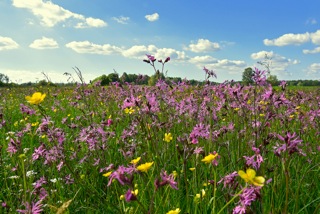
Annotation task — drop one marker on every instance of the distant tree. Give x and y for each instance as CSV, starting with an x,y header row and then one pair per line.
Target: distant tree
x,y
273,80
104,80
154,78
247,76
124,78
4,79
114,77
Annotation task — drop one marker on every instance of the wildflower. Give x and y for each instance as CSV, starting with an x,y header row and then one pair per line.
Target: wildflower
x,y
34,208
107,174
168,137
249,195
36,98
144,167
131,195
129,110
176,211
201,195
166,179
135,161
192,169
250,177
209,158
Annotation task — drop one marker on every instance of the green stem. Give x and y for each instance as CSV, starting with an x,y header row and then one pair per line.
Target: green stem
x,y
232,199
214,190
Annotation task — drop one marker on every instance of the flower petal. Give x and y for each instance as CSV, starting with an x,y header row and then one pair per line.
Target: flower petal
x,y
251,173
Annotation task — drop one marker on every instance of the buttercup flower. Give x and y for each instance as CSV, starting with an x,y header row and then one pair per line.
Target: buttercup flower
x,y
144,167
107,174
209,158
129,110
135,161
168,137
36,98
176,211
250,177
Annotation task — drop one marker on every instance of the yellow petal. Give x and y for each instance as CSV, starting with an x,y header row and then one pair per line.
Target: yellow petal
x,y
251,173
242,174
259,181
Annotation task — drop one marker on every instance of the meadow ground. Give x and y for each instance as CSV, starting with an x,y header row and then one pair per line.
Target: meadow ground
x,y
164,149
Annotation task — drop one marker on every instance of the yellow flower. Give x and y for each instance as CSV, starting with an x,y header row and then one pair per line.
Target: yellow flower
x,y
168,137
202,194
237,109
36,98
192,169
107,174
250,177
121,197
129,110
209,158
144,167
175,174
135,161
176,211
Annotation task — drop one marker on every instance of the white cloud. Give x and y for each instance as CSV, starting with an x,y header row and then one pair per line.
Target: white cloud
x,y
316,50
51,14
7,43
90,48
44,43
24,76
278,63
152,17
288,39
203,45
163,53
121,19
139,51
313,70
91,22
203,60
315,37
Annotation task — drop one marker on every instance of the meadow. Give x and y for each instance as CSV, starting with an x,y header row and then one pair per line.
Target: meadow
x,y
169,148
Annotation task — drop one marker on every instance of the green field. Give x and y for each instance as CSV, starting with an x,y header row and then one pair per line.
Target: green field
x,y
163,149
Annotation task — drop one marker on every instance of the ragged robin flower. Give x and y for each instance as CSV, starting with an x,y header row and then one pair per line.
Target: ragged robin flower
x,y
36,98
167,137
250,177
144,167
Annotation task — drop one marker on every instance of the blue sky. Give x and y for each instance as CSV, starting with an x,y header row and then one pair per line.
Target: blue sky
x,y
98,36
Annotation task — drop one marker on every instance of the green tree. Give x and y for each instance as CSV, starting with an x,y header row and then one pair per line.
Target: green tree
x,y
273,80
4,79
114,77
247,76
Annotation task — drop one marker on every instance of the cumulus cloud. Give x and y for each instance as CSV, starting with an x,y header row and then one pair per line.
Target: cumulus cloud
x,y
314,51
44,43
313,69
23,76
91,48
7,43
203,45
288,39
121,19
202,60
315,37
140,51
222,65
279,64
152,17
51,14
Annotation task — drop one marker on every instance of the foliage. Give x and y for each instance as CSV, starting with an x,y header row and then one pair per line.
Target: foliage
x,y
247,76
166,149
